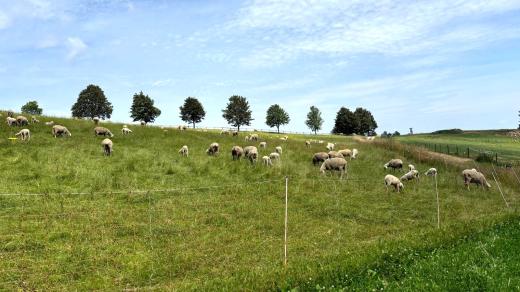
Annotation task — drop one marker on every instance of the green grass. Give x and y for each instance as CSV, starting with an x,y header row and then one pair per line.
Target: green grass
x,y
148,218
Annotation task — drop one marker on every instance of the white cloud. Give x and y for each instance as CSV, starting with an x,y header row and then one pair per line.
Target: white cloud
x,y
164,82
75,46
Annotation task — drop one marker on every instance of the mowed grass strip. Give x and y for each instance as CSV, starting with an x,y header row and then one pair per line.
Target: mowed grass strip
x,y
220,223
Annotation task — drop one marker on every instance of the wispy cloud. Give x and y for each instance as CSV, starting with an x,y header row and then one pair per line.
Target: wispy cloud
x,y
164,82
75,46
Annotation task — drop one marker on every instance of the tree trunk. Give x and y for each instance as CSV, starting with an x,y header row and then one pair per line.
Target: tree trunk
x,y
238,128
315,132
278,129
193,125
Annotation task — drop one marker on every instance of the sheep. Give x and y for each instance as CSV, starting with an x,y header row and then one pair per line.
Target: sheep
x,y
263,144
184,151
237,152
411,175
283,138
355,153
125,131
319,157
213,149
34,120
334,164
25,134
10,114
476,177
182,127
58,130
107,146
96,120
321,142
102,131
391,180
11,121
224,132
274,156
22,121
143,123
431,172
267,161
411,167
345,152
308,144
278,149
330,146
334,154
246,138
51,123
253,137
235,133
394,164
251,152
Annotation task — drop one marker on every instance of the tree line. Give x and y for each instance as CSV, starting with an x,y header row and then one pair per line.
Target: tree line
x,y
92,103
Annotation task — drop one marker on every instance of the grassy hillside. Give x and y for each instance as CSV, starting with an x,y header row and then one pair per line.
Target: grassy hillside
x,y
72,219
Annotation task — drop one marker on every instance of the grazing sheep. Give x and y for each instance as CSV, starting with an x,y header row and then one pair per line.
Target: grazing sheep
x,y
251,152
321,142
224,132
184,151
237,152
10,114
34,120
394,164
411,175
267,161
96,120
213,149
284,138
58,130
345,152
51,123
263,144
355,153
107,146
25,134
278,149
125,131
274,156
253,137
411,167
330,146
235,133
371,138
102,131
334,154
476,177
10,121
319,157
246,138
391,180
143,123
182,127
22,121
431,172
308,144
334,164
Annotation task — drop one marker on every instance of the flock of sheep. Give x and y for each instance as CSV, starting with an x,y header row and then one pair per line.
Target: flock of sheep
x,y
330,161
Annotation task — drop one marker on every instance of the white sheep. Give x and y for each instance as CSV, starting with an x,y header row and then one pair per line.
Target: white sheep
x,y
355,153
24,134
275,156
102,131
237,152
96,120
22,121
319,157
330,146
474,176
267,161
284,138
345,152
253,137
11,121
251,152
51,123
246,138
34,120
213,149
308,143
391,180
107,146
263,144
125,131
321,142
394,164
334,164
335,154
278,149
411,167
431,172
224,132
411,175
184,151
58,130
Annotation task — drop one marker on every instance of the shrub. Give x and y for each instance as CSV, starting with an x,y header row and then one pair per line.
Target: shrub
x,y
485,157
448,131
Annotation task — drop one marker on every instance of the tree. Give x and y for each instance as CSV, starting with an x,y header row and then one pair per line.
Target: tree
x,y
365,122
276,116
345,122
143,109
192,111
396,133
314,120
32,108
237,112
92,103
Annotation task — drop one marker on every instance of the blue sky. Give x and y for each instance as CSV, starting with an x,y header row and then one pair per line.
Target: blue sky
x,y
422,64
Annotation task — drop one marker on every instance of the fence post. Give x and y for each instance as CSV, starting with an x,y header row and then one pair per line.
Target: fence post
x,y
496,158
435,147
448,149
438,205
285,231
468,152
457,149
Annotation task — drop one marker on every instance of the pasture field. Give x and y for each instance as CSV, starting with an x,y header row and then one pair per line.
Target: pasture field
x,y
477,141
147,218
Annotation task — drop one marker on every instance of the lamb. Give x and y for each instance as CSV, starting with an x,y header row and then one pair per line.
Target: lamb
x,y
411,175
184,151
267,161
125,130
58,130
274,156
391,180
34,120
476,177
334,154
394,164
431,172
107,146
330,146
25,134
182,127
224,132
22,121
11,121
319,157
253,137
51,123
334,164
308,144
355,152
278,149
102,131
411,167
345,152
96,120
251,152
213,149
321,142
263,144
246,138
235,133
284,138
237,152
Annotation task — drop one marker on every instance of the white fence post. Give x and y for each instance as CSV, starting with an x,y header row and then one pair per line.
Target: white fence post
x,y
285,233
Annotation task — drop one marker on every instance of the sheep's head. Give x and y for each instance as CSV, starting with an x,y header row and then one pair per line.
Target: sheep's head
x,y
401,186
386,166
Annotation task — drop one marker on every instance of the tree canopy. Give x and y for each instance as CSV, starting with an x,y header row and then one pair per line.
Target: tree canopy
x,y
143,109
192,111
276,116
92,103
359,122
314,120
32,108
345,122
237,112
